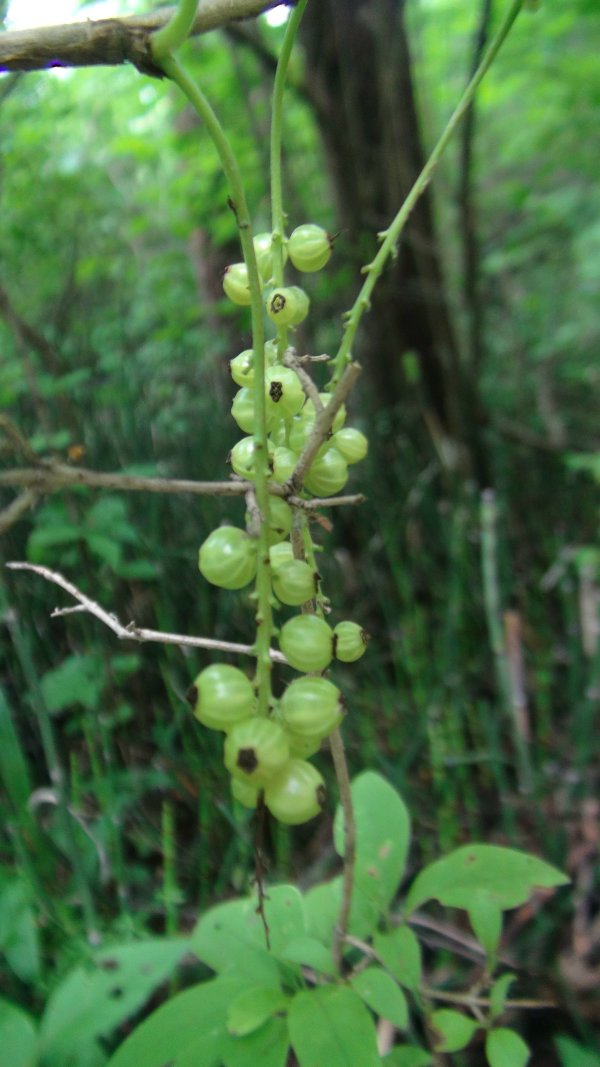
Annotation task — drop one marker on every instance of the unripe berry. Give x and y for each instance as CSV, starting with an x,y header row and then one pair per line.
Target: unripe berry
x,y
309,247
311,706
264,255
243,457
228,558
327,474
284,392
221,696
340,415
285,305
242,409
256,750
242,368
303,747
235,284
306,642
297,794
280,554
349,641
351,444
294,582
280,519
244,792
284,464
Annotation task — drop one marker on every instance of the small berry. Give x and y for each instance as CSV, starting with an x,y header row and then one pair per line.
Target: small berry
x,y
256,750
228,558
284,464
351,444
244,792
311,706
242,368
284,392
306,642
235,284
297,794
221,696
286,304
309,247
294,582
280,554
327,474
349,641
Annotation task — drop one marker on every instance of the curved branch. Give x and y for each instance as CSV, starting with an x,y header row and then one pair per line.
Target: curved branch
x,y
111,42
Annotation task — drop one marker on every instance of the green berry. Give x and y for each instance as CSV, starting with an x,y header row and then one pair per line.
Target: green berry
x,y
228,558
351,444
311,706
309,247
284,305
349,641
303,747
242,368
284,464
280,519
264,255
340,415
242,409
297,794
235,284
243,458
221,696
280,554
327,474
306,642
284,392
256,750
244,792
294,582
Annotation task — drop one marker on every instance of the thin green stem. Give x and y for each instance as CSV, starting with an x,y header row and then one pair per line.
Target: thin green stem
x,y
392,235
264,619
277,213
176,31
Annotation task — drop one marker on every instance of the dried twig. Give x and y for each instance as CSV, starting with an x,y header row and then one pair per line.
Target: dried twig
x,y
131,632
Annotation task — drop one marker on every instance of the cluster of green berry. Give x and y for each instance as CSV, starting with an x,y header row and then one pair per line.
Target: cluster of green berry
x,y
267,755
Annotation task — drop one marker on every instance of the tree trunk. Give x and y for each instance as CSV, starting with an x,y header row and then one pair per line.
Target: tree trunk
x,y
358,73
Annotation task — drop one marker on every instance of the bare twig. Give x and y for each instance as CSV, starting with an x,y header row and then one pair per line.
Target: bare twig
x,y
323,424
48,477
290,359
111,42
24,502
131,632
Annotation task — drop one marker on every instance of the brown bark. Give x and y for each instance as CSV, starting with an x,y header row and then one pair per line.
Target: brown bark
x,y
360,81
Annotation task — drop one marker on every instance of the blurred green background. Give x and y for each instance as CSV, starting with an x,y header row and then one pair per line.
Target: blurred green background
x,y
474,563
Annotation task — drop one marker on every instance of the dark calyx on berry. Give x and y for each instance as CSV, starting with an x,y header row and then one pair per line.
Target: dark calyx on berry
x,y
192,696
246,760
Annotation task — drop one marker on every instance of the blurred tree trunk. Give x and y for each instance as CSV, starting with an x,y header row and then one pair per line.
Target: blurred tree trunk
x,y
360,82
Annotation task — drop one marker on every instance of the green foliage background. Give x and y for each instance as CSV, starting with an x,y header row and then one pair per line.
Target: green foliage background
x,y
115,230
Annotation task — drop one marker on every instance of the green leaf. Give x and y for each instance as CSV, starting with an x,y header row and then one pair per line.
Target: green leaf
x,y
453,1030
331,1026
499,993
49,537
322,907
78,680
19,940
94,999
267,1047
14,769
232,935
253,1007
504,1048
407,1056
308,952
382,995
18,1038
572,1054
485,916
382,837
188,1031
401,953
505,876
105,548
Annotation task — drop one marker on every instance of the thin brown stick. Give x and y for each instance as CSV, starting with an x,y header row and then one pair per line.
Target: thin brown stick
x,y
52,477
11,514
111,42
323,424
131,632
